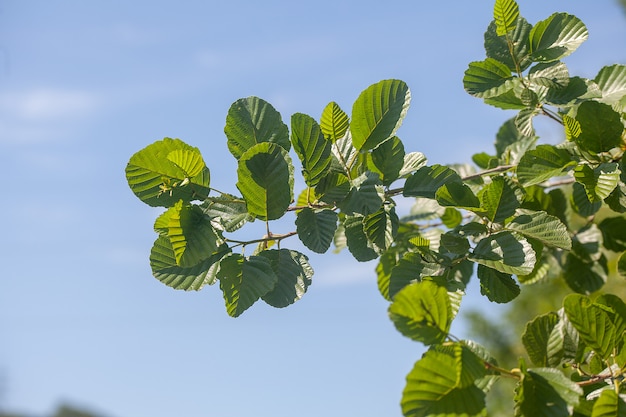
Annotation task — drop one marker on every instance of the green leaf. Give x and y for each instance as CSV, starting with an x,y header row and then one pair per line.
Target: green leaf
x,y
159,174
621,265
541,226
545,392
510,96
366,195
387,261
333,188
334,122
455,194
536,336
358,244
505,14
562,345
230,211
507,135
378,113
294,276
506,252
609,404
165,269
598,182
500,199
265,179
455,243
497,47
497,286
316,229
614,233
556,37
541,164
584,277
576,89
592,323
421,311
411,268
427,180
433,388
552,75
251,121
580,201
601,127
524,121
451,218
381,227
345,155
487,79
412,162
612,82
311,146
191,234
244,280
616,309
388,160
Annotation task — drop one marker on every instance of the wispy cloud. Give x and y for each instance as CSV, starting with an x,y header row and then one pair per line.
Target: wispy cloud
x,y
39,115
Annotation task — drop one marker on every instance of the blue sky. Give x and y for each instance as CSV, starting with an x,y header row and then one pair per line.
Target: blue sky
x,y
85,84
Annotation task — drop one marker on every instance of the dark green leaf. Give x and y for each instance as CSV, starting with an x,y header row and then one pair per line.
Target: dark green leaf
x,y
614,233
536,336
541,164
387,261
507,135
576,89
601,127
161,173
191,235
455,194
388,160
584,277
506,252
333,188
334,122
378,113
265,179
165,269
487,79
579,201
421,311
455,243
294,276
381,227
563,342
316,229
497,286
231,211
244,280
621,265
312,148
251,121
366,195
358,244
427,180
497,47
556,37
545,392
500,199
598,182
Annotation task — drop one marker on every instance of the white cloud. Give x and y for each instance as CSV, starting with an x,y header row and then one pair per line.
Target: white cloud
x,y
39,115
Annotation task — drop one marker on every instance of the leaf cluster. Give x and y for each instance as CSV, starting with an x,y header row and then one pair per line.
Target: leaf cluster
x,y
526,214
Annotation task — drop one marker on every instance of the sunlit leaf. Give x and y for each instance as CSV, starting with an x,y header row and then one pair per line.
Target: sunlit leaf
x,y
612,81
244,280
427,180
497,47
421,311
598,182
381,227
294,276
556,37
265,180
487,79
541,226
541,164
545,392
562,345
251,121
592,323
500,199
334,122
156,178
312,148
388,160
412,162
229,210
505,14
536,336
609,404
455,194
378,112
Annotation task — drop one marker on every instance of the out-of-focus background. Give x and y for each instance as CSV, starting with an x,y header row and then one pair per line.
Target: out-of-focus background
x,y
84,328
